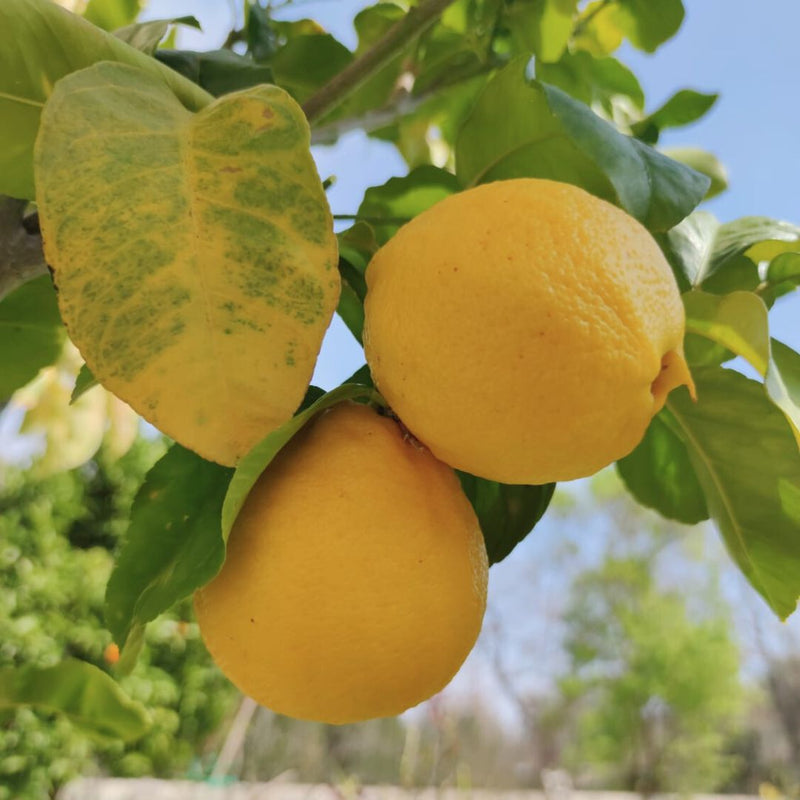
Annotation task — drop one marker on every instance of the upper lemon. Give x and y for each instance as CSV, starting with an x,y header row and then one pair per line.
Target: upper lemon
x,y
524,330
355,579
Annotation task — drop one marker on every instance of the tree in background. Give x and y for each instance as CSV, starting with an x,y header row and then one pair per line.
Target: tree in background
x,y
654,693
58,537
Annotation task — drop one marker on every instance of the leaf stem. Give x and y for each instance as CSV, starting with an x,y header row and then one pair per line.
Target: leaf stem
x,y
373,220
415,22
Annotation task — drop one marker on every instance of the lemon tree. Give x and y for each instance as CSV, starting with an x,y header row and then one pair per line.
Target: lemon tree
x,y
193,261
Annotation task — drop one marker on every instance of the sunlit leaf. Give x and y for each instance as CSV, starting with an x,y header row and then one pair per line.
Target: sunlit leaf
x,y
704,162
682,108
400,199
592,80
747,461
645,24
194,254
542,26
112,14
145,36
700,247
737,321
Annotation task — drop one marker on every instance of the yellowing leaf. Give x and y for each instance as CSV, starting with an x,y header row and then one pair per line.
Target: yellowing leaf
x,y
193,253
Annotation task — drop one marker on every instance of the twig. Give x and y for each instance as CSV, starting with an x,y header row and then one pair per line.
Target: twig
x,y
582,24
374,220
21,257
235,738
415,22
404,105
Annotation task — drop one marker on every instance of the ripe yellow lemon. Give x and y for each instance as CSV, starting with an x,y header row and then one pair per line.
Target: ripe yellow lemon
x,y
524,330
355,580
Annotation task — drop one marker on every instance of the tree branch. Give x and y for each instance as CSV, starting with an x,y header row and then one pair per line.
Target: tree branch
x,y
415,22
21,256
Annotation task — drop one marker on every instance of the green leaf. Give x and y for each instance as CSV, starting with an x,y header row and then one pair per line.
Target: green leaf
x,y
357,245
660,475
219,72
541,26
173,544
194,254
31,333
648,24
683,108
703,162
507,514
86,695
305,63
784,268
747,461
256,461
261,35
403,198
551,135
112,14
737,321
131,649
145,36
85,381
351,300
782,382
41,42
594,81
371,24
700,247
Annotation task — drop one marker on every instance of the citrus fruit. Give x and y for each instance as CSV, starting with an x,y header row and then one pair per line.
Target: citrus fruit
x,y
355,579
524,330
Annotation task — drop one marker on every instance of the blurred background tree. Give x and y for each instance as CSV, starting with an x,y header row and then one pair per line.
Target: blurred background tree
x,y
57,538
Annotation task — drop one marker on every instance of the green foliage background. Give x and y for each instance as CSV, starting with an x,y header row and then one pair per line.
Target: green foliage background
x,y
59,536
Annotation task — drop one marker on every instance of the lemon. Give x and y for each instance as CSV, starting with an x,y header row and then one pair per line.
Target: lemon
x,y
355,580
524,330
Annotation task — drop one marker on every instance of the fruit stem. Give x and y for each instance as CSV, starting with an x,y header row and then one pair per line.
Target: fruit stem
x,y
415,22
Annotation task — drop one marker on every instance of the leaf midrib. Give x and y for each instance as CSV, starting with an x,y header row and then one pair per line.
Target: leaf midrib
x,y
24,101
724,497
185,135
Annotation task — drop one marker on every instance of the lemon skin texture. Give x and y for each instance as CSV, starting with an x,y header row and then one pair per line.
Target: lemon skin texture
x,y
355,580
524,330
